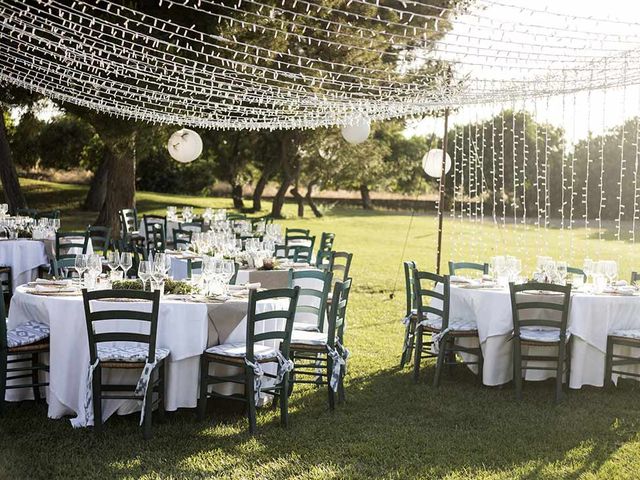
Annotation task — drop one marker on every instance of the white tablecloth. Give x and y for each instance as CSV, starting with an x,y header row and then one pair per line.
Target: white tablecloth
x,y
591,317
24,256
182,328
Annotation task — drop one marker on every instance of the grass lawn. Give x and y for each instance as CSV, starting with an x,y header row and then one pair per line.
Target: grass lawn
x,y
389,427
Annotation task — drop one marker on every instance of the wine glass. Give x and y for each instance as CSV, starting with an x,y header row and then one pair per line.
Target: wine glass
x,y
113,259
94,264
126,262
80,265
561,268
588,268
611,271
228,269
145,270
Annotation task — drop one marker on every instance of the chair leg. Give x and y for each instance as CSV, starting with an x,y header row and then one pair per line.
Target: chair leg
x,y
406,354
608,369
284,404
417,353
559,373
148,414
96,388
161,391
292,378
517,368
35,377
330,392
567,378
251,400
202,399
442,354
3,378
341,393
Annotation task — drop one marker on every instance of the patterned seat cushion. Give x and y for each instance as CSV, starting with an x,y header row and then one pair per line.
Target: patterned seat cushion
x,y
239,350
634,333
456,324
305,327
128,352
540,334
301,337
27,333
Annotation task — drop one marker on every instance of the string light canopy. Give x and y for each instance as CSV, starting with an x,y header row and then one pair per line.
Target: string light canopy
x,y
259,64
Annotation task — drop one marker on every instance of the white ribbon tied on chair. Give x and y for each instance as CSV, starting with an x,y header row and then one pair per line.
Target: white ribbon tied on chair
x,y
437,338
143,384
258,374
285,365
88,399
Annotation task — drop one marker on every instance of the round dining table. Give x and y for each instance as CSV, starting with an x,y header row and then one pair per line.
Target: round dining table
x,y
592,317
24,256
187,325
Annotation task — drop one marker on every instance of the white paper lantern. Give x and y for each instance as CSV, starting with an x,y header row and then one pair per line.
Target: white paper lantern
x,y
358,131
185,145
432,163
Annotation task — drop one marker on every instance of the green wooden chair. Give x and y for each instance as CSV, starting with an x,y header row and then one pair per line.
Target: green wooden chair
x,y
534,325
236,216
132,350
341,265
156,241
315,286
324,260
149,221
296,232
129,224
411,317
193,265
635,276
252,355
6,284
320,358
267,219
577,271
455,267
432,308
137,250
25,344
181,238
65,241
27,212
621,338
100,239
51,214
62,268
326,242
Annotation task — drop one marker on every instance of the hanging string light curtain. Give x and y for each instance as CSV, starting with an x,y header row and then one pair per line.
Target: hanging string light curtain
x,y
258,64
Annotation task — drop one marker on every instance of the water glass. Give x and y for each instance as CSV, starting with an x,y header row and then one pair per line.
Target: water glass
x,y
126,262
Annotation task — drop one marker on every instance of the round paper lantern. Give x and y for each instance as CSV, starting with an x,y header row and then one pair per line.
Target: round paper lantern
x,y
432,163
185,145
358,131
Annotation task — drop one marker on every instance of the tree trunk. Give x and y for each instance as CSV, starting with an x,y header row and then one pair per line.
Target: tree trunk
x,y
121,182
236,196
98,188
309,198
8,174
278,200
258,191
366,198
299,199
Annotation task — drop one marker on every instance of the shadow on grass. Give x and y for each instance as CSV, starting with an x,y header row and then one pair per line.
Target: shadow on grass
x,y
389,427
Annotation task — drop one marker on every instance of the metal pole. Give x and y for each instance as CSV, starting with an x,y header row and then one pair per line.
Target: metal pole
x,y
443,180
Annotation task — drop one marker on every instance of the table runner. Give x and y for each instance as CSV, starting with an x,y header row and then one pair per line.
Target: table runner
x,y
224,318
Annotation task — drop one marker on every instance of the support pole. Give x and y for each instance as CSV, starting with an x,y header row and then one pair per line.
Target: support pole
x,y
443,180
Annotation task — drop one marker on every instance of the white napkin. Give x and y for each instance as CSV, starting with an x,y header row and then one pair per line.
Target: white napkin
x,y
53,288
459,279
621,283
246,286
60,283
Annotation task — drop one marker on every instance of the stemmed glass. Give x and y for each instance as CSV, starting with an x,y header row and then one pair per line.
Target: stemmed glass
x,y
80,265
126,262
228,268
145,271
611,271
588,267
113,260
94,268
561,268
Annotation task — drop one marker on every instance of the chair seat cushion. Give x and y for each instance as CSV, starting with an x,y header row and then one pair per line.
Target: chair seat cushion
x,y
540,335
128,352
459,325
303,337
239,350
633,334
305,327
27,333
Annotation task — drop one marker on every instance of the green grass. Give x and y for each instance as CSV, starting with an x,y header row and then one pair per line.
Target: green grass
x,y
390,427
